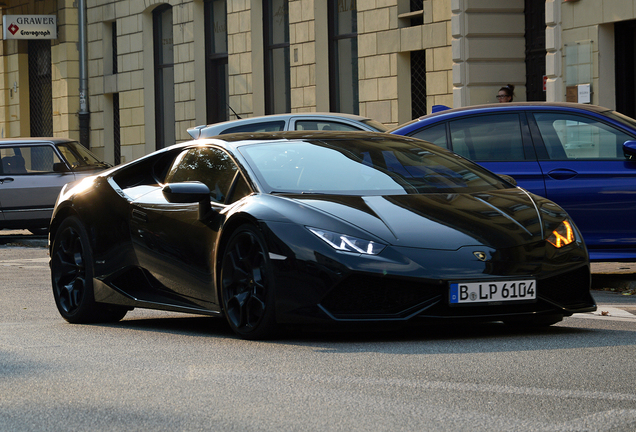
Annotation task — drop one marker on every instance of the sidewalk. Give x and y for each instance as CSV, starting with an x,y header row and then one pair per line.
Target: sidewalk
x,y
23,238
614,276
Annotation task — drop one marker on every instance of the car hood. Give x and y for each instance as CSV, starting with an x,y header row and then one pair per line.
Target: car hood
x,y
499,219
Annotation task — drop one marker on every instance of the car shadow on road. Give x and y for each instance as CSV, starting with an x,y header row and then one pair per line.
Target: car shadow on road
x,y
446,339
476,338
186,325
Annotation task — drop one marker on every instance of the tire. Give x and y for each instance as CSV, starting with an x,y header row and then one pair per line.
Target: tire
x,y
72,277
247,285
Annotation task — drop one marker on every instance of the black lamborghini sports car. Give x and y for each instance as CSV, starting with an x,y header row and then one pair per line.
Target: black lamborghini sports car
x,y
310,228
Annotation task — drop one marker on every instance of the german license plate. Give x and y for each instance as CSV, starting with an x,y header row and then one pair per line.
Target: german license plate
x,y
487,292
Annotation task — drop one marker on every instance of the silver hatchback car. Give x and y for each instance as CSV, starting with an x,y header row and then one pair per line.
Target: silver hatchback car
x,y
289,122
32,173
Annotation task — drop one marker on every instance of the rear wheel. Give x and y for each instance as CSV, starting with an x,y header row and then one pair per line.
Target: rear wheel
x,y
247,285
72,277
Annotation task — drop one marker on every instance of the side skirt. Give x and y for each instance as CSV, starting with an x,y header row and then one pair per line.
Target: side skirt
x,y
107,294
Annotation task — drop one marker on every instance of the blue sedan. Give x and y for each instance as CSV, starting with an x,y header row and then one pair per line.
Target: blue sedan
x,y
583,157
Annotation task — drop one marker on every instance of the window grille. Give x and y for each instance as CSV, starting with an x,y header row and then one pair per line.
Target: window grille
x,y
418,83
116,129
40,88
416,6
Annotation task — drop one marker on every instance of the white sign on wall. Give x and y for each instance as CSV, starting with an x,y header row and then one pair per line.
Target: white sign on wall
x,y
585,93
29,27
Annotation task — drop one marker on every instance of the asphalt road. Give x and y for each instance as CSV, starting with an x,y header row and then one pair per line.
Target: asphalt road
x,y
166,372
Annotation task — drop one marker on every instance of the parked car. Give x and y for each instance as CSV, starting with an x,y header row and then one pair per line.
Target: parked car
x,y
289,122
580,156
315,228
32,173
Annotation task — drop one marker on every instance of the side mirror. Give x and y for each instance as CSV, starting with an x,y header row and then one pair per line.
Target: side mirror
x,y
629,149
60,167
189,192
508,178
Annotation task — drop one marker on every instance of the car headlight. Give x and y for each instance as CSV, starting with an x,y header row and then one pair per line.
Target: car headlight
x,y
563,235
345,243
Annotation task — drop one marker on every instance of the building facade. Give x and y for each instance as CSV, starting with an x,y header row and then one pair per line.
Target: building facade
x,y
157,67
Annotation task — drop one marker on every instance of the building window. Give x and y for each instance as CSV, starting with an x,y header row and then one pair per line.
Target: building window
x,y
343,56
276,37
417,6
164,76
116,130
216,72
535,50
114,45
40,88
418,83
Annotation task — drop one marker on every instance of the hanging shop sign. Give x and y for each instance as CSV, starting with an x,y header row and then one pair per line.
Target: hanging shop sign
x,y
29,27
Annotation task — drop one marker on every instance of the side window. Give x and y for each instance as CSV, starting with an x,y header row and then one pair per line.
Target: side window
x,y
28,160
210,166
274,126
324,125
435,134
488,138
569,136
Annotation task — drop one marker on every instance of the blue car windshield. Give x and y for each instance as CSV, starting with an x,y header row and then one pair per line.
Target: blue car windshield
x,y
382,166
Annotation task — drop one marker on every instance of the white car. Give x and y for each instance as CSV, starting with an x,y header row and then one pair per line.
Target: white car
x,y
285,122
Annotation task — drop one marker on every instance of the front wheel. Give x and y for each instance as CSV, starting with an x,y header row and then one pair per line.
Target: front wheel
x,y
72,277
247,286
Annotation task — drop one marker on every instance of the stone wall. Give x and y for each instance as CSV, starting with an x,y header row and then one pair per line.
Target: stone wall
x,y
488,49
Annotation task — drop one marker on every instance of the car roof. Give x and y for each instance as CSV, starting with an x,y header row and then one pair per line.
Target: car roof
x,y
240,139
210,129
33,140
233,141
512,106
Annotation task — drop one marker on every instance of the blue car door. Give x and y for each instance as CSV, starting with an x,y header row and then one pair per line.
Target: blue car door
x,y
499,142
587,174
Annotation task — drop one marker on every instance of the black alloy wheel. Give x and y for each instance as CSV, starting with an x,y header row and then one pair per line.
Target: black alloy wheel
x,y
247,285
72,277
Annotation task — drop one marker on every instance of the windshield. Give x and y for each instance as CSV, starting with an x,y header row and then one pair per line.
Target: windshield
x,y
79,157
379,166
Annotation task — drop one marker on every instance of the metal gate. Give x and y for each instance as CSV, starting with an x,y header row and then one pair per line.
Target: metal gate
x,y
40,88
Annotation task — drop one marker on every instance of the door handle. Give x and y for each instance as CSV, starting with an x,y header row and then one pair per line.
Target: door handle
x,y
562,174
6,180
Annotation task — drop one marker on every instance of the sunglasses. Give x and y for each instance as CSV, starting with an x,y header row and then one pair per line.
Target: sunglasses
x,y
501,96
